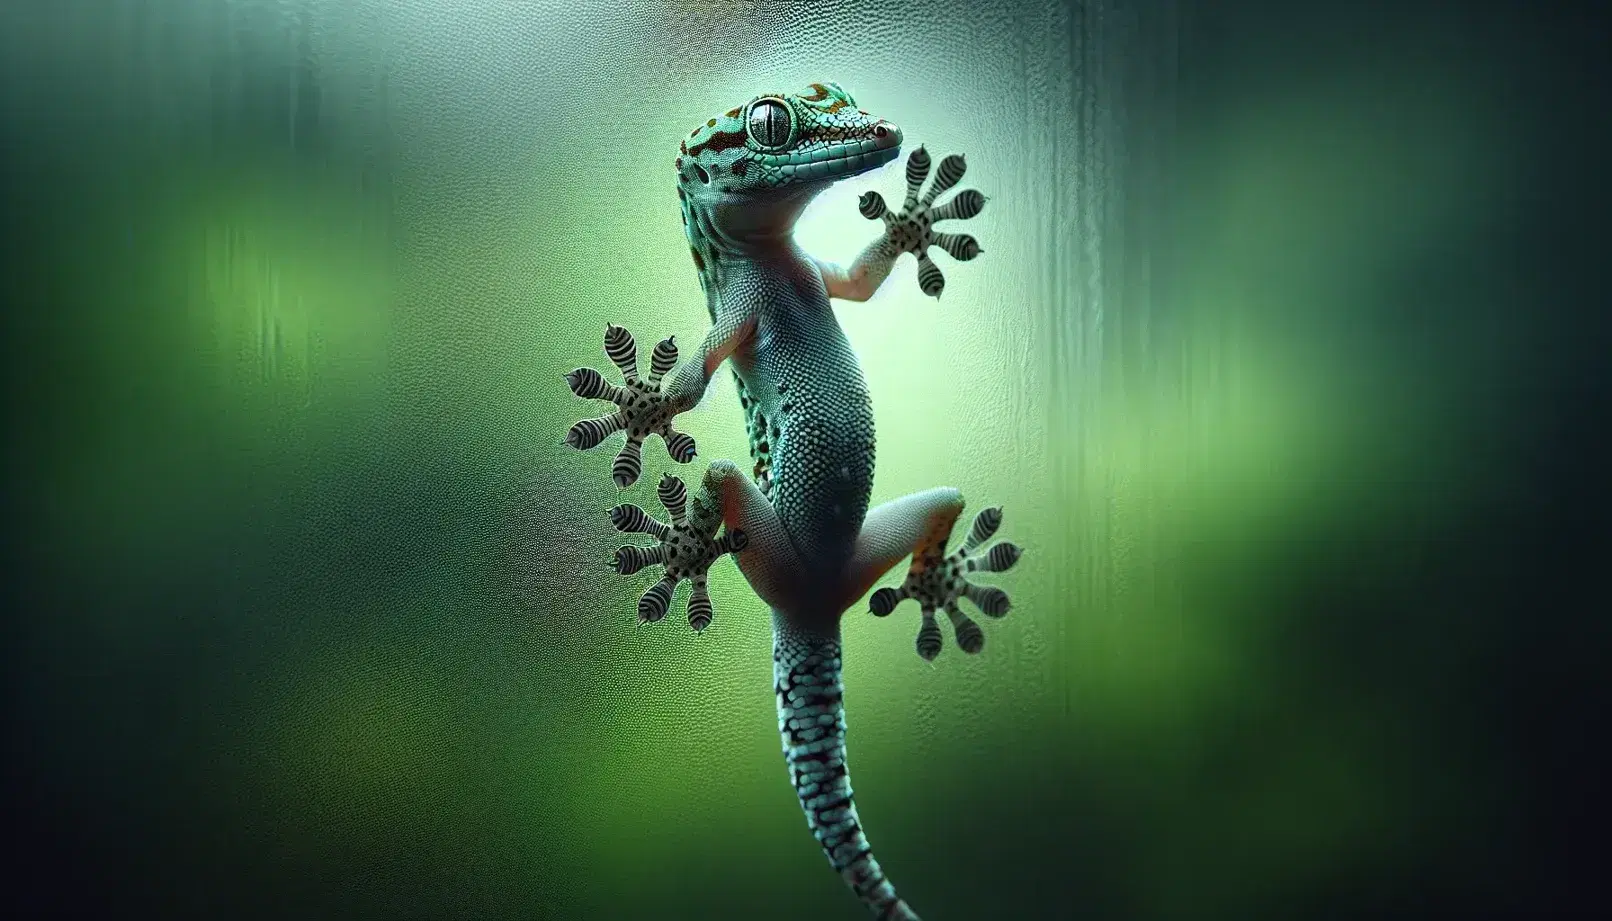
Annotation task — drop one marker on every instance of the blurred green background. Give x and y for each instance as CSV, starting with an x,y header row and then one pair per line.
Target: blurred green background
x,y
313,618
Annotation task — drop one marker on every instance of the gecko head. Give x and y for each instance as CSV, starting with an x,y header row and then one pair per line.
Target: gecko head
x,y
776,151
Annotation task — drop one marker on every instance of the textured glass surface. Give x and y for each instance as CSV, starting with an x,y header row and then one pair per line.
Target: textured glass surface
x,y
328,629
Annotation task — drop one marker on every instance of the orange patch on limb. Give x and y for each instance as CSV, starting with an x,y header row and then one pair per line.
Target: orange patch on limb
x,y
932,545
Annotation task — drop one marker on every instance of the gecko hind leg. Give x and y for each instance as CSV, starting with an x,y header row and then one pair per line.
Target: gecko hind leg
x,y
769,561
923,522
687,548
689,544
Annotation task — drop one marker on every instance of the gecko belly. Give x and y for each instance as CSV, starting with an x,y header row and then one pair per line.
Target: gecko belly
x,y
821,453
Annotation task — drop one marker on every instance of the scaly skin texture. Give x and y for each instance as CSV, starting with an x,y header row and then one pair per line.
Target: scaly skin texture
x,y
799,526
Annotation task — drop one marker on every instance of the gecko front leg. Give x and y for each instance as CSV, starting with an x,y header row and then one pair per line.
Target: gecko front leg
x,y
641,408
910,230
647,407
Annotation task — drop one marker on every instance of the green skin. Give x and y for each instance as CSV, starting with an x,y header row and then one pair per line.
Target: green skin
x,y
799,526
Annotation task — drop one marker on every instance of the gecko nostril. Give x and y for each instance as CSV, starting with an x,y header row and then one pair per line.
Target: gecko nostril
x,y
880,131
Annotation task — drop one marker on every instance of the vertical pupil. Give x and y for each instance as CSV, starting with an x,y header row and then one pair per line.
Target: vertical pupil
x,y
770,124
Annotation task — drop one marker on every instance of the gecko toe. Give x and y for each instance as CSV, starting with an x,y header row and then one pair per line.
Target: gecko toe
x,y
653,605
885,600
929,641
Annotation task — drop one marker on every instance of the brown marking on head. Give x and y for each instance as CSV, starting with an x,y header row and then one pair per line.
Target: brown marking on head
x,y
837,105
731,113
739,168
710,123
819,93
683,146
722,140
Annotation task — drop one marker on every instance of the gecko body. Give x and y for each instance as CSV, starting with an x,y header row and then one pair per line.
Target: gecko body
x,y
799,526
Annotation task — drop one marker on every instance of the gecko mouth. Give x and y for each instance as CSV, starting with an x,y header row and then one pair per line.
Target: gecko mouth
x,y
855,161
861,156
846,158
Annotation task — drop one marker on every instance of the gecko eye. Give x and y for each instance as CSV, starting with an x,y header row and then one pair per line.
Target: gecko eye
x,y
771,123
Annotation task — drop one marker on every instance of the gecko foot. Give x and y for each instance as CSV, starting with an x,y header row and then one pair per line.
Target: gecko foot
x,y
641,408
910,230
688,546
937,582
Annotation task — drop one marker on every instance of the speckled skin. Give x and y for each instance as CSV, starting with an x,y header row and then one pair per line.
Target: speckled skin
x,y
800,526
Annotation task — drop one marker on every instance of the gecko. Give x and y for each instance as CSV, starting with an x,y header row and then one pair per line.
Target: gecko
x,y
798,525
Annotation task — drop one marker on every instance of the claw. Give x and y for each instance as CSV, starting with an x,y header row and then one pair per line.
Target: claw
x,y
992,601
938,583
885,600
629,560
985,525
999,558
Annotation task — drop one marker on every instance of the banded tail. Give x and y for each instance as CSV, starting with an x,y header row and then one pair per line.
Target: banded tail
x,y
811,720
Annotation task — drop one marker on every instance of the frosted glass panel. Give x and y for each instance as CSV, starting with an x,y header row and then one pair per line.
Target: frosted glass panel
x,y
327,603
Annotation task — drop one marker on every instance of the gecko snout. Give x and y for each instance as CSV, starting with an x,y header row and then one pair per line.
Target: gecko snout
x,y
887,134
